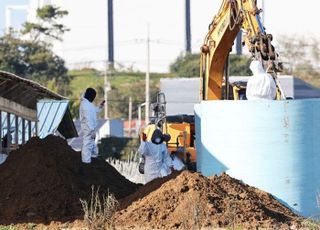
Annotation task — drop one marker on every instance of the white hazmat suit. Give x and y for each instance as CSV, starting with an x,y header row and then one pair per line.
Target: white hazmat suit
x,y
158,162
261,85
88,121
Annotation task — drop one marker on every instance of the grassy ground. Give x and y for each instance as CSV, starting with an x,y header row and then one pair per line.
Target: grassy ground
x,y
123,85
82,79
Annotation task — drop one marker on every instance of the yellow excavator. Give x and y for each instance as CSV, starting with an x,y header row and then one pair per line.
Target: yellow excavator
x,y
232,16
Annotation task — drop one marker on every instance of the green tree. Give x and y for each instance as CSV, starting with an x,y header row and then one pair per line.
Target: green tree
x,y
301,57
34,61
186,65
239,65
189,65
48,25
119,98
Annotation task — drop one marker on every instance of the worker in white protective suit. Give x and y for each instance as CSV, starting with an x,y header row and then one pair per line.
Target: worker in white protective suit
x,y
88,121
158,162
261,86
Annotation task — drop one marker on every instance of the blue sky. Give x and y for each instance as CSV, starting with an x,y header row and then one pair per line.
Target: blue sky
x,y
17,17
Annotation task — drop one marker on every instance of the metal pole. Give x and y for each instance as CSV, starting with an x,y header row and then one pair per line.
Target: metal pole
x,y
139,116
23,131
106,92
16,131
8,133
147,81
239,43
36,128
29,129
188,27
130,115
110,33
0,131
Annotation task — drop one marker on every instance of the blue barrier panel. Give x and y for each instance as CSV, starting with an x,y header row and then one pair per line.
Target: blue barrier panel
x,y
272,145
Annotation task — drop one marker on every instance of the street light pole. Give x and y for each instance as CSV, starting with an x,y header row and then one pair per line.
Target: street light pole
x,y
147,81
130,115
106,89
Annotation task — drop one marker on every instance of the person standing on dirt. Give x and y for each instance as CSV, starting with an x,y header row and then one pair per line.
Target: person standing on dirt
x,y
88,120
158,162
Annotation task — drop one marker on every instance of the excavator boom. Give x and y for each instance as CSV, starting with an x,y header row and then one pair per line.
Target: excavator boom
x,y
233,16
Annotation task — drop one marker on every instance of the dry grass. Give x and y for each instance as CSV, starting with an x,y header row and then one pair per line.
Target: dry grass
x,y
99,210
312,223
193,215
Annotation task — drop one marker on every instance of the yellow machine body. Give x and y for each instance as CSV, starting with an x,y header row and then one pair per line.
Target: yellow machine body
x,y
182,140
233,16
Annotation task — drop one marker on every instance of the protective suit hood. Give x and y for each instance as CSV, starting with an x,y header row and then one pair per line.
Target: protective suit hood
x,y
157,137
90,94
261,86
256,68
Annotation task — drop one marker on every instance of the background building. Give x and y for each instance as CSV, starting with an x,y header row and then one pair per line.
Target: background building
x,y
183,93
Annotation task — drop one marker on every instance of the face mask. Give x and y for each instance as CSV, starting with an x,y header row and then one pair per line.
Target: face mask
x,y
157,140
157,137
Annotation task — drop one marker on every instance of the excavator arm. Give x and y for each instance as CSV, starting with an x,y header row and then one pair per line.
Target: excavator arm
x,y
233,16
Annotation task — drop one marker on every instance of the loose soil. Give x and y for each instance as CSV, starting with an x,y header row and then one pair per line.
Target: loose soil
x,y
44,180
191,200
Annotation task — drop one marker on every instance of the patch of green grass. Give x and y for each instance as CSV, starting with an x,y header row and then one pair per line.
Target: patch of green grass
x,y
7,228
82,79
123,85
31,226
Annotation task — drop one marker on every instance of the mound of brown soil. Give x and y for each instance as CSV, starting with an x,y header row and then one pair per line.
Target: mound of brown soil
x,y
191,200
43,181
146,189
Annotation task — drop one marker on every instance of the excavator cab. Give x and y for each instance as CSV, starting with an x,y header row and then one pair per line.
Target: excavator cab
x,y
237,91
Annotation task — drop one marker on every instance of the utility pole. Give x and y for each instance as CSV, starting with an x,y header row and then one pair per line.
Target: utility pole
x,y
239,43
188,27
110,34
147,107
106,89
130,115
139,114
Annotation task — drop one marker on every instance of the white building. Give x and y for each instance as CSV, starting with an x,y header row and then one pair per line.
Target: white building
x,y
183,93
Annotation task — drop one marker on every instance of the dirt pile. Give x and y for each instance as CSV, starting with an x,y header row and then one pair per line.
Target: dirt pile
x,y
43,181
146,189
191,200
